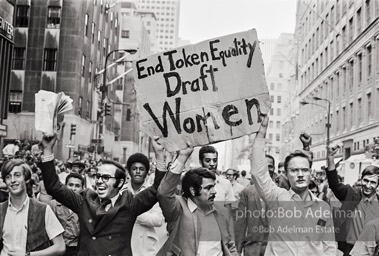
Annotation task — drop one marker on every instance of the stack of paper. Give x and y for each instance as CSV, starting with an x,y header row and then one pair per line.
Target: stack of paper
x,y
48,109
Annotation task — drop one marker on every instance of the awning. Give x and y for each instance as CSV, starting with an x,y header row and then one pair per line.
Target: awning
x,y
316,165
358,158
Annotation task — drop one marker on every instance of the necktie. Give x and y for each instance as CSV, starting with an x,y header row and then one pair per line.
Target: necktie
x,y
103,204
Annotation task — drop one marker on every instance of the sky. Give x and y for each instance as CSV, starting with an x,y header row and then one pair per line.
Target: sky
x,y
206,19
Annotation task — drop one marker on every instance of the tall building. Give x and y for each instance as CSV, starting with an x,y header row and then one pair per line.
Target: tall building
x,y
136,29
339,63
6,51
278,81
267,47
61,46
167,13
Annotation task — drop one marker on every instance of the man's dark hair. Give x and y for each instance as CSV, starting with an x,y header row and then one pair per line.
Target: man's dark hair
x,y
280,164
273,160
205,150
120,171
194,178
297,153
370,170
8,166
312,185
76,176
243,173
138,158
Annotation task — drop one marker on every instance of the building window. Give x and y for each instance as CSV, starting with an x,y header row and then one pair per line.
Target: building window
x,y
359,68
18,58
369,60
369,114
80,112
277,137
368,12
359,111
50,60
98,39
359,21
125,33
86,25
271,124
277,124
22,16
83,65
128,114
93,32
351,30
272,86
351,74
351,115
53,17
14,106
271,111
90,71
278,112
270,136
279,99
281,75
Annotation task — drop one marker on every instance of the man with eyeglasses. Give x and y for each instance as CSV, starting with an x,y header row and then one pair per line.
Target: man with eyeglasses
x,y
299,222
106,216
359,206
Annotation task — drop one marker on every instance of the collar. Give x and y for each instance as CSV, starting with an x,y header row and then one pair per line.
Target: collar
x,y
114,199
294,195
25,204
193,207
143,187
369,199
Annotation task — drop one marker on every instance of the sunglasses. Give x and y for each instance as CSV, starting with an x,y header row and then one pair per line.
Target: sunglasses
x,y
104,177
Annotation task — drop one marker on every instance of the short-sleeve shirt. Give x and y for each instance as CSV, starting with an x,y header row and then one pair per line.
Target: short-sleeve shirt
x,y
224,190
15,228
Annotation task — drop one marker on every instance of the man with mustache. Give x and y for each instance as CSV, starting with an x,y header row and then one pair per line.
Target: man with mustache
x,y
208,157
196,225
106,216
359,206
299,222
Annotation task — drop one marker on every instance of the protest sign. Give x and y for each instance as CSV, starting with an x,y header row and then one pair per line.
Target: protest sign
x,y
204,93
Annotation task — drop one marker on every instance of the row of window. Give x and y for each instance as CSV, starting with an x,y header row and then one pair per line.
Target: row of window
x,y
277,126
158,2
348,117
357,67
278,112
277,137
49,59
278,87
278,98
342,38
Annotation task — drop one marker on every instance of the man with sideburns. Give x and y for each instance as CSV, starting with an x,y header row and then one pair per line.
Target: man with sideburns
x,y
106,216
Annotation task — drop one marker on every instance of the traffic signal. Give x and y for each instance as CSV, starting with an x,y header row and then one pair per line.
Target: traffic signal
x,y
73,129
107,109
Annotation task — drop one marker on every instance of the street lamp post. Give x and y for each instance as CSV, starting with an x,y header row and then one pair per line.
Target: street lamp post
x,y
104,88
328,125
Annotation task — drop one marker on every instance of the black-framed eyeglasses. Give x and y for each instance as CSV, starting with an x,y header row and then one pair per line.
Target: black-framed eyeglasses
x,y
104,177
295,171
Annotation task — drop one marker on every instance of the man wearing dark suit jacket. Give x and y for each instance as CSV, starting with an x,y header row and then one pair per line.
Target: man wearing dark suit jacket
x,y
106,216
196,225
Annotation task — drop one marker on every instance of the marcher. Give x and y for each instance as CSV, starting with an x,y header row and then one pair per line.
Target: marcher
x,y
298,201
67,217
27,227
144,238
210,233
359,206
106,216
243,180
208,157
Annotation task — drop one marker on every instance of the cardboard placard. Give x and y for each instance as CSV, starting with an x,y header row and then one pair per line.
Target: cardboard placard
x,y
204,93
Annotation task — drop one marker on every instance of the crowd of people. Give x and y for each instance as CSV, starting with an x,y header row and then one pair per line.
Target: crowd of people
x,y
51,207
